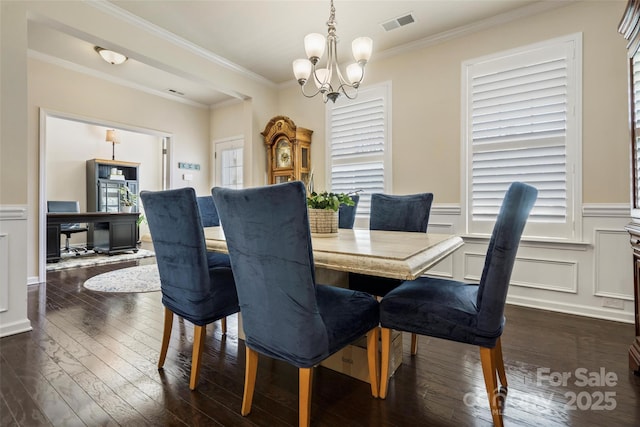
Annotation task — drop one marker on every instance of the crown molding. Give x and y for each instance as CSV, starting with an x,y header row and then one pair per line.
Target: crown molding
x,y
123,15
474,27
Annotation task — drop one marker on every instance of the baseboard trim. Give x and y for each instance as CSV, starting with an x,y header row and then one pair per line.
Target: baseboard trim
x,y
575,309
16,327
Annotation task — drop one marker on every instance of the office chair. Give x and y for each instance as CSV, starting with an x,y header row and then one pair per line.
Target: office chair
x,y
194,284
347,214
285,314
61,206
467,313
394,213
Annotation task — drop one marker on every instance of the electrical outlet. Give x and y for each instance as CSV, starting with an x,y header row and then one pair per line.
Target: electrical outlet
x,y
613,303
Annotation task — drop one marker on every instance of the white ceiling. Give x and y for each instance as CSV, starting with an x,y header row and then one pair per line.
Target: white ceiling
x,y
264,37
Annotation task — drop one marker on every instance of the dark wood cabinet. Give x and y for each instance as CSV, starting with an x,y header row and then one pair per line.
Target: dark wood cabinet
x,y
117,235
103,185
634,351
630,28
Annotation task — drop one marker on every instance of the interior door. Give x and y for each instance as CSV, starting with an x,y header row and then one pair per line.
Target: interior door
x,y
229,163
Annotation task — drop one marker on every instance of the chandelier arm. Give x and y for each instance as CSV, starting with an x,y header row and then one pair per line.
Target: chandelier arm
x,y
332,57
324,84
344,91
305,93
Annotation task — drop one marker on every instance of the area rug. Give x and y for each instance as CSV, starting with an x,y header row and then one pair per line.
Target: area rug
x,y
73,261
142,278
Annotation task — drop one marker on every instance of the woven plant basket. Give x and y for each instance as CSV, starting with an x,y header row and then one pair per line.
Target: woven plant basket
x,y
323,221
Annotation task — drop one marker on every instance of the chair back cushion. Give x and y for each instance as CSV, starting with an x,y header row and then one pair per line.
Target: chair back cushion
x,y
178,241
208,211
267,234
501,254
347,214
400,213
63,206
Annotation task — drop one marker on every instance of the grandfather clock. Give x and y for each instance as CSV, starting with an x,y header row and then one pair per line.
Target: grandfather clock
x,y
288,151
630,28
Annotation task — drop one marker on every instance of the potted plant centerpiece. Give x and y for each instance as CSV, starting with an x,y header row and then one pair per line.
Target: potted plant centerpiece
x,y
127,198
323,211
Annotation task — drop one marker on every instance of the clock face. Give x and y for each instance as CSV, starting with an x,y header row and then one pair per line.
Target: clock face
x,y
283,155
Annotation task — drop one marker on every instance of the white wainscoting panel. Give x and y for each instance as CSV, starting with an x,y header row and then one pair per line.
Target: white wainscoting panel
x,y
13,269
612,272
590,275
4,272
536,273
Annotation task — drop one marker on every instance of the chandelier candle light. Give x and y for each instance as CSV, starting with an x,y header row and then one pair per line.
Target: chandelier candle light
x,y
330,88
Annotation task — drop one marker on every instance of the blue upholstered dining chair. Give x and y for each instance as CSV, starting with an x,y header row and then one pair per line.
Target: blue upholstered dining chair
x,y
347,214
467,313
196,285
285,314
209,218
208,211
394,213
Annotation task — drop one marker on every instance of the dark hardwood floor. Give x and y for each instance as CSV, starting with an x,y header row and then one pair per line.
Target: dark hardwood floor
x,y
91,360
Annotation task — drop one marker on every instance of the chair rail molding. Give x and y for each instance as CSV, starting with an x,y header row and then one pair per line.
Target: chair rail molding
x,y
13,212
607,210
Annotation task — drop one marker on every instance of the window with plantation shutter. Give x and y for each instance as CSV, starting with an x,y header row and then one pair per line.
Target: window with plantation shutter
x,y
359,144
521,122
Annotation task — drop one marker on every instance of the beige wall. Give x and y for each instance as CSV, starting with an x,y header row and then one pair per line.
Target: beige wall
x,y
426,102
308,113
66,92
69,144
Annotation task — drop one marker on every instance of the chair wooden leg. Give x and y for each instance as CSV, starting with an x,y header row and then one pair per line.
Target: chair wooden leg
x,y
306,380
223,325
166,336
499,363
199,333
487,357
372,358
414,344
384,363
250,371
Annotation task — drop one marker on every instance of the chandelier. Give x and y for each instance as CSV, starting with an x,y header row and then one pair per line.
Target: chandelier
x,y
329,81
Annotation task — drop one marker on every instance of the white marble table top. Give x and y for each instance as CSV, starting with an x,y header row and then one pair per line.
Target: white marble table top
x,y
393,254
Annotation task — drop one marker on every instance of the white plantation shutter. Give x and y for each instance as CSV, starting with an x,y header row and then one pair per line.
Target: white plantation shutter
x,y
521,126
358,138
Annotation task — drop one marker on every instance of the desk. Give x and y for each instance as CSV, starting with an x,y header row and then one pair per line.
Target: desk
x,y
109,232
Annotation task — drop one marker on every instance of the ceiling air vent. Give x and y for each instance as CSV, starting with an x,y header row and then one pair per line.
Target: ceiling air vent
x,y
175,92
398,22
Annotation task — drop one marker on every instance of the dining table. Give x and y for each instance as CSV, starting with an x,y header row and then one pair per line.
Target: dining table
x,y
392,254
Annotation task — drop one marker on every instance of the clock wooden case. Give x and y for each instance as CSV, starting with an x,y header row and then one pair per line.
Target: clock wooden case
x,y
288,151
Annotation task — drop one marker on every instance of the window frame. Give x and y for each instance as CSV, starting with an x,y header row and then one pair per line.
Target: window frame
x,y
367,93
571,229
